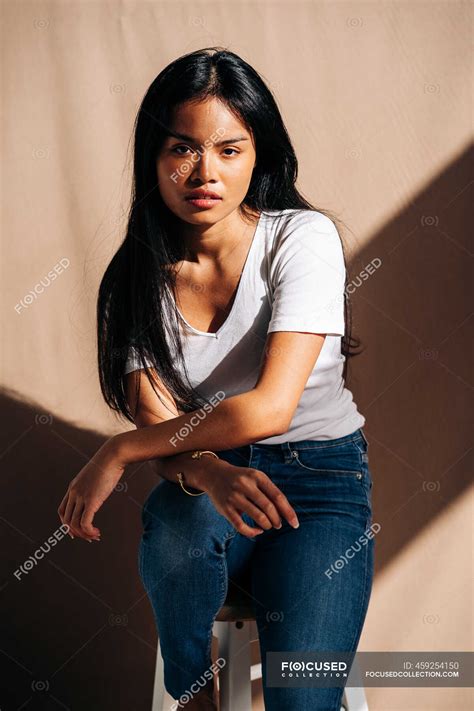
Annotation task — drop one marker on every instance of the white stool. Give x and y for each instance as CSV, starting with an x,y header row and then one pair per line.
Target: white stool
x,y
233,631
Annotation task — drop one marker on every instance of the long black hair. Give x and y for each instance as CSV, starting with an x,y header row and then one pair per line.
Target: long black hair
x,y
134,306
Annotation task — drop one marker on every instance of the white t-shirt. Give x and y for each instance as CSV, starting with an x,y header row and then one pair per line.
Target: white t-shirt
x,y
293,280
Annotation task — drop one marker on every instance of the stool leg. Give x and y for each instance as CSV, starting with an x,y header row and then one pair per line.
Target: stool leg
x,y
235,689
159,684
354,699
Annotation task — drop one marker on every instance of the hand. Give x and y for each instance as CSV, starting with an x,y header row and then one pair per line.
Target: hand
x,y
235,490
88,491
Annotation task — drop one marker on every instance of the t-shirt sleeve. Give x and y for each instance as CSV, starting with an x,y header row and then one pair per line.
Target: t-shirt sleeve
x,y
133,362
308,277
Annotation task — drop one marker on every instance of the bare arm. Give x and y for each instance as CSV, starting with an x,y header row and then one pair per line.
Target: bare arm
x,y
148,410
265,410
234,422
216,477
262,412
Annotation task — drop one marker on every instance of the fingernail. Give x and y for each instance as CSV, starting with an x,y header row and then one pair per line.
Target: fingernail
x,y
279,526
295,524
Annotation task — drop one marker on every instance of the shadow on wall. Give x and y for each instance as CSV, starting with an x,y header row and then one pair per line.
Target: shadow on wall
x,y
78,628
413,383
78,631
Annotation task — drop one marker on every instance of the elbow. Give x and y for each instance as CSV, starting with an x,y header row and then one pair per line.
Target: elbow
x,y
272,430
265,415
282,425
273,422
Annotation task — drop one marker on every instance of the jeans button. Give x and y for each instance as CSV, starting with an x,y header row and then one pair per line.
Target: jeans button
x,y
359,475
294,453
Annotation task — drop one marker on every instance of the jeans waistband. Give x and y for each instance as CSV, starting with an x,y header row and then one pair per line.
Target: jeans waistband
x,y
247,449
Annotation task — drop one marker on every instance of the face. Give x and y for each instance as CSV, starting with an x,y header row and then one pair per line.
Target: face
x,y
214,152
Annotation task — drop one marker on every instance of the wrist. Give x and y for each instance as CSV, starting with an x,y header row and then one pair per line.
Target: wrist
x,y
200,473
106,461
115,450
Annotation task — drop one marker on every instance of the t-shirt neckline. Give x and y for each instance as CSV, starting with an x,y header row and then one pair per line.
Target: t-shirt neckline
x,y
243,275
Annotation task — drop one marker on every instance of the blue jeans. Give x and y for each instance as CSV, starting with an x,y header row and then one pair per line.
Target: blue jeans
x,y
309,593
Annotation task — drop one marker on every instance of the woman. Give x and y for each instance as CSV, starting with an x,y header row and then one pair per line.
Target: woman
x,y
225,310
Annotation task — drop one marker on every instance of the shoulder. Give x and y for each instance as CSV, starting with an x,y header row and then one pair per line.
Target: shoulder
x,y
293,229
284,223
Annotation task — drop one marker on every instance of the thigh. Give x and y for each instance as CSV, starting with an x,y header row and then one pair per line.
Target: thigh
x,y
180,533
312,584
239,549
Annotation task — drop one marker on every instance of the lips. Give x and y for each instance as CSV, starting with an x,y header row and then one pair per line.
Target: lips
x,y
202,195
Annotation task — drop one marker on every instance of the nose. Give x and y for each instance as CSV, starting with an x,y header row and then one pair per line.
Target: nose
x,y
204,167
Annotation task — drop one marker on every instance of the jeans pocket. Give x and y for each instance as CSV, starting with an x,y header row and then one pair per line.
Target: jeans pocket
x,y
331,460
336,473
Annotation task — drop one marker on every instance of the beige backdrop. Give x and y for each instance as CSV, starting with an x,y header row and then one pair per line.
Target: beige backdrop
x,y
376,99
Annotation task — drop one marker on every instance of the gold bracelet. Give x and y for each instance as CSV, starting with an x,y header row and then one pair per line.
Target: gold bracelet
x,y
197,454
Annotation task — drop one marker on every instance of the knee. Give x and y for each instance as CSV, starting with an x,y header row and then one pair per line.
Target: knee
x,y
170,515
184,540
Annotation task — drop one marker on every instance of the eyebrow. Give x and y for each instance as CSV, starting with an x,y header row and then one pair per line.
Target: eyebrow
x,y
184,137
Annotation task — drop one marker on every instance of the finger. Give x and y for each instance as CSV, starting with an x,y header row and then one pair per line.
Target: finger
x,y
257,513
260,502
240,526
69,511
260,499
62,505
278,498
250,489
86,522
76,518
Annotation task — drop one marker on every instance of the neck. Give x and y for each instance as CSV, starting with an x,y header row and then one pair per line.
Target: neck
x,y
204,243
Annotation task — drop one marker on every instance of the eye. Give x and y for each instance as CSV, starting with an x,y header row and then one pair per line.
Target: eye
x,y
175,149
181,150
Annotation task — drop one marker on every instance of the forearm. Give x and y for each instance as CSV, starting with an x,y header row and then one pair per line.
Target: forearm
x,y
234,422
197,472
